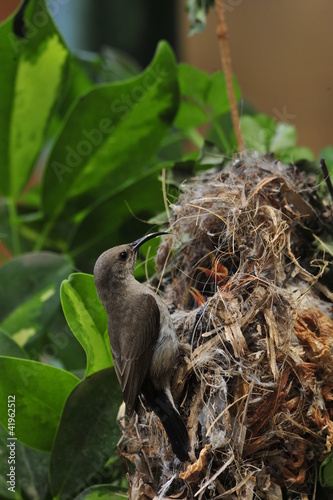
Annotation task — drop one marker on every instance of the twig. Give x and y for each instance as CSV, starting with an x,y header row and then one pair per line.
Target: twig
x,y
238,485
222,34
221,469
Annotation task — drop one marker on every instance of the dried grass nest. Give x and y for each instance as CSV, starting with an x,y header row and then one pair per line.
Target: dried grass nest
x,y
254,386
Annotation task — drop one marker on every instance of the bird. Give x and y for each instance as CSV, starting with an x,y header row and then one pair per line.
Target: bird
x,y
143,340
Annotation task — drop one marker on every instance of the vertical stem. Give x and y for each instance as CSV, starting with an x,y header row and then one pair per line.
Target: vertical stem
x,y
13,220
164,194
222,34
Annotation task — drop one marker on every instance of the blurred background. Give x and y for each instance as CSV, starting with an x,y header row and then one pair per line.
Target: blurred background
x,y
281,51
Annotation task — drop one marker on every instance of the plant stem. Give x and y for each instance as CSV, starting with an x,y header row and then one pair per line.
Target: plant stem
x,y
165,199
13,220
222,34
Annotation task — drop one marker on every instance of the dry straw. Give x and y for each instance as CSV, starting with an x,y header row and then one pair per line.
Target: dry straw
x,y
255,381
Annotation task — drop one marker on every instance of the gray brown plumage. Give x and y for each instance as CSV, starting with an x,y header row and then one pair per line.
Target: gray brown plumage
x,y
143,340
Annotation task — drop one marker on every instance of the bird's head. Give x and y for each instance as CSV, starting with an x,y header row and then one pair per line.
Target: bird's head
x,y
117,264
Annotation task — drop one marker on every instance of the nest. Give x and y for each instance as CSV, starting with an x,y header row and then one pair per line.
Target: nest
x,y
254,385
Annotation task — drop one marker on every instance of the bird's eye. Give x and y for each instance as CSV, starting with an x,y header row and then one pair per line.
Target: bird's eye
x,y
123,255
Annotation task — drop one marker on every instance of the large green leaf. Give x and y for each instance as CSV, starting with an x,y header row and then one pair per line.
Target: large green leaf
x,y
111,134
40,393
8,347
102,223
32,470
32,72
87,435
87,319
29,293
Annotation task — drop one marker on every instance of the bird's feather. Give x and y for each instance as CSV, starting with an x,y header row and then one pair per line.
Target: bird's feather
x,y
132,345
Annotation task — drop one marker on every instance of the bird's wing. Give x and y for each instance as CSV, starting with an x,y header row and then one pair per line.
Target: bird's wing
x,y
133,353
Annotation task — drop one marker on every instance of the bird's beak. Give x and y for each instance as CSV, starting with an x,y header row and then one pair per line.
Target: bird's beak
x,y
137,243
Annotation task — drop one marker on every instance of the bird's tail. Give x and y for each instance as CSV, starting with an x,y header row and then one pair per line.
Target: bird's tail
x,y
159,402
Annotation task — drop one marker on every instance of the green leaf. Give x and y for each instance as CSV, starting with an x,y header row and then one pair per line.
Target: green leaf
x,y
40,393
217,97
262,134
29,64
193,82
8,347
32,472
87,435
111,134
254,134
87,319
326,471
190,115
203,96
29,293
268,125
102,492
322,189
296,154
285,138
